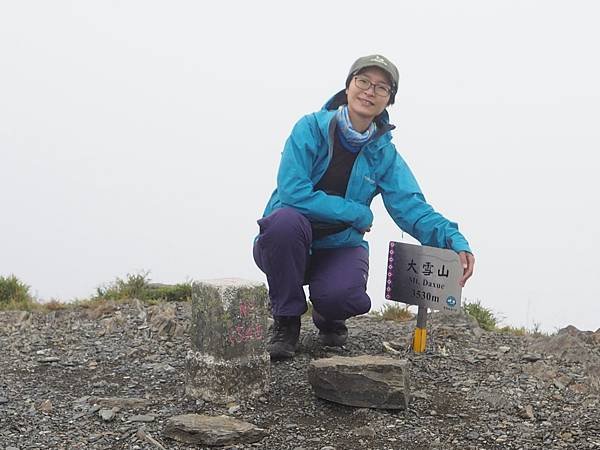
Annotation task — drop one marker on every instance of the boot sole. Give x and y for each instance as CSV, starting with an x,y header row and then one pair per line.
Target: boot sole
x,y
277,356
328,340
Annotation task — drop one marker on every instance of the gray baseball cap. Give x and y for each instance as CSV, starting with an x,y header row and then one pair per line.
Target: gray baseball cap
x,y
375,61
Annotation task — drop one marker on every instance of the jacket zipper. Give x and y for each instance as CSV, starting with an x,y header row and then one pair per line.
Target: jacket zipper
x,y
380,132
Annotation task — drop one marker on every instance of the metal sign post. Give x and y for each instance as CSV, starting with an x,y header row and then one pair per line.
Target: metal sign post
x,y
423,276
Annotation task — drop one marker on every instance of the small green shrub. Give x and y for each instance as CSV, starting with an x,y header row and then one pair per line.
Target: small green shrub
x,y
181,292
88,303
394,311
14,293
133,286
535,330
138,286
484,316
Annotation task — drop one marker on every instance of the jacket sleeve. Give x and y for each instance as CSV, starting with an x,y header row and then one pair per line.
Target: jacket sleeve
x,y
406,204
296,189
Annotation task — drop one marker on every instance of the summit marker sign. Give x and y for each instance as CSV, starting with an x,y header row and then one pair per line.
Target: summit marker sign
x,y
423,276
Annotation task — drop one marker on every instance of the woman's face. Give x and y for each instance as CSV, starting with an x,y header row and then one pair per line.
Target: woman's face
x,y
366,105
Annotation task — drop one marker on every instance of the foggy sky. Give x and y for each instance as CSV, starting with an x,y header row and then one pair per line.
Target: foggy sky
x,y
146,135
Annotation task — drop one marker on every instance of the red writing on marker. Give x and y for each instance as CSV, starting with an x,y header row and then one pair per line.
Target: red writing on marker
x,y
242,333
245,309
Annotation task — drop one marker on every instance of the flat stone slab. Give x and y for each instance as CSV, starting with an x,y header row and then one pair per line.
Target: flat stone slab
x,y
142,418
362,381
120,402
212,430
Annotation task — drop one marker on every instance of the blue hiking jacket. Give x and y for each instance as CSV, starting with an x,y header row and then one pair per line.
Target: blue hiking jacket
x,y
378,169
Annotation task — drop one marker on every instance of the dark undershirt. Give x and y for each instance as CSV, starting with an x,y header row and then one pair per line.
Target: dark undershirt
x,y
335,182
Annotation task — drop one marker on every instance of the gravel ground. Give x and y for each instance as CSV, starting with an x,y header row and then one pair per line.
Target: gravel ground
x,y
471,390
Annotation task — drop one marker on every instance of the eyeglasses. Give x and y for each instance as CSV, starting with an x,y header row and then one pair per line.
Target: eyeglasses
x,y
365,84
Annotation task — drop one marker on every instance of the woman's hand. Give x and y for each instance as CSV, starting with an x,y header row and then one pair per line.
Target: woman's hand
x,y
467,260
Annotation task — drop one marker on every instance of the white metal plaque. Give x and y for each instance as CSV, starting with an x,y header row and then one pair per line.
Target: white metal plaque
x,y
424,276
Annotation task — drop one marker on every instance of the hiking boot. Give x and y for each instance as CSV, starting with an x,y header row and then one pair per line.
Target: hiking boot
x,y
283,342
334,335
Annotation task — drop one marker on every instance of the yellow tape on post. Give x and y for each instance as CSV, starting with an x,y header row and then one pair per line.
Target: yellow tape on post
x,y
417,340
420,340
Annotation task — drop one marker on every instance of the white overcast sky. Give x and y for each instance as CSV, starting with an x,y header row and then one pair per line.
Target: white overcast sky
x,y
146,135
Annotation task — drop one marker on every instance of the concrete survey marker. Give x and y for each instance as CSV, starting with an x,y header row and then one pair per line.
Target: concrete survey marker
x,y
229,359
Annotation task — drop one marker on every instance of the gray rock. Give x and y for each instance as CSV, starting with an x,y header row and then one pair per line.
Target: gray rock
x,y
473,435
120,402
527,412
365,431
456,319
22,316
364,381
229,325
45,406
140,309
143,435
107,414
102,309
389,348
233,409
570,330
112,325
593,370
564,346
532,357
212,430
592,375
595,338
492,397
142,418
558,385
420,394
162,320
159,367
48,359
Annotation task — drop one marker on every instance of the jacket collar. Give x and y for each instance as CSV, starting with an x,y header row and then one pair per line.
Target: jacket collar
x,y
382,120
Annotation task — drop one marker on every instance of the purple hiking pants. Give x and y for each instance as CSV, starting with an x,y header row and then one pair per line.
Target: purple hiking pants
x,y
337,278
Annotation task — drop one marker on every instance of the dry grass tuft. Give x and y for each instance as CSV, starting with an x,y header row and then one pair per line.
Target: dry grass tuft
x,y
53,305
395,312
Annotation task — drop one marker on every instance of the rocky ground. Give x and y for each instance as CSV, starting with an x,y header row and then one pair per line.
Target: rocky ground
x,y
109,377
